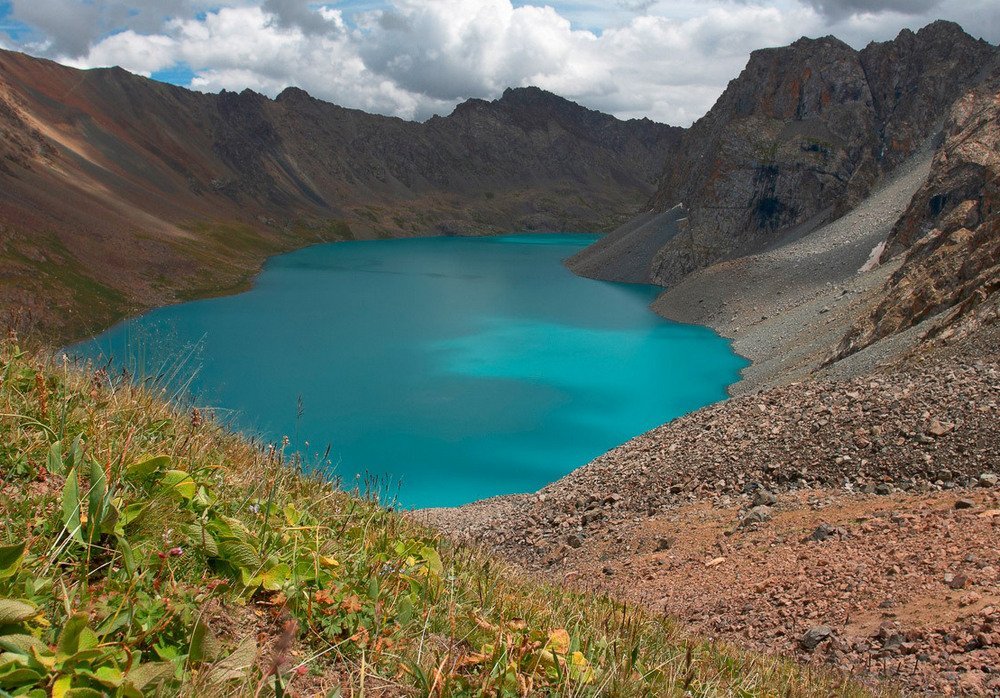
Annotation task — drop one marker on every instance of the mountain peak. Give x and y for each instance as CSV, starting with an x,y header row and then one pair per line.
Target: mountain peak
x,y
293,94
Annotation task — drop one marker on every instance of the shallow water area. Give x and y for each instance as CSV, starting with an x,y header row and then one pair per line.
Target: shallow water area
x,y
451,369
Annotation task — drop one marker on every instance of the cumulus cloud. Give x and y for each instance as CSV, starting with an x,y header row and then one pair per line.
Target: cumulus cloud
x,y
455,48
414,58
297,13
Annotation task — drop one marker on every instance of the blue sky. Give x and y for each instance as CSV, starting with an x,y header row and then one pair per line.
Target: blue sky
x,y
665,59
8,25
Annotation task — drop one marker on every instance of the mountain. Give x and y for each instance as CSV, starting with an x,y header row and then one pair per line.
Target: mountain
x,y
836,216
947,243
119,193
799,138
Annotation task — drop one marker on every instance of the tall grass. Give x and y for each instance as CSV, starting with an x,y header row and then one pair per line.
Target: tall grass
x,y
146,550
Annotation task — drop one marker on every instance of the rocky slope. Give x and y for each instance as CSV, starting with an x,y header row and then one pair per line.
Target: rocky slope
x,y
864,511
800,137
119,192
949,237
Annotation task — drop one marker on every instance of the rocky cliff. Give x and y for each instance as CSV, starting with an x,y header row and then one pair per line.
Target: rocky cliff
x,y
119,193
949,236
801,136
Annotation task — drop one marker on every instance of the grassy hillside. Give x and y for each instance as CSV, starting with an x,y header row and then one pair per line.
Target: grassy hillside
x,y
148,551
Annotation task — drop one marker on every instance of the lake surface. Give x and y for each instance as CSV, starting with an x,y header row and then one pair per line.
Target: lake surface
x,y
452,369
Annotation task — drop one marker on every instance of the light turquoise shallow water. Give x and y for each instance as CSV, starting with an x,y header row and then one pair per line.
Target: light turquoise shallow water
x,y
453,368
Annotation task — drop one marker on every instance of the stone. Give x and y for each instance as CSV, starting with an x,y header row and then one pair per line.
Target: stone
x,y
958,581
965,504
883,489
664,543
938,429
969,599
758,514
823,532
574,540
988,480
764,498
814,636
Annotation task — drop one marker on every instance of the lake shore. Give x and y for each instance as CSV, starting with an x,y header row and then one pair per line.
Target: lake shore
x,y
711,518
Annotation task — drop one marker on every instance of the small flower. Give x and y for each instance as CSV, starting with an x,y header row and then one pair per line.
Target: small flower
x,y
177,551
301,670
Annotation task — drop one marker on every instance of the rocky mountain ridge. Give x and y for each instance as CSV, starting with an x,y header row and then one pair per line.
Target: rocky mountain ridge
x,y
799,138
120,193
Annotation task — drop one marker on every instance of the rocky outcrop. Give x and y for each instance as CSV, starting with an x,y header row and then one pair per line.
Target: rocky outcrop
x,y
801,136
949,237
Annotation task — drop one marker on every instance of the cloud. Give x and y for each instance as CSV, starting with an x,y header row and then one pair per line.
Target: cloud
x,y
145,54
69,26
297,13
844,8
414,58
635,5
456,48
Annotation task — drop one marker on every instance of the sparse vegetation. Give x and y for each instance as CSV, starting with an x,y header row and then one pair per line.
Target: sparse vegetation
x,y
148,551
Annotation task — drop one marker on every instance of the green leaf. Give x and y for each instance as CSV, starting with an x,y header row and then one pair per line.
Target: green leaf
x,y
71,505
128,554
10,559
84,693
205,647
55,464
142,675
433,560
202,539
13,611
9,661
144,469
72,639
276,577
116,621
96,501
236,665
109,519
61,686
204,499
239,554
109,676
76,452
130,513
21,643
20,677
180,483
404,610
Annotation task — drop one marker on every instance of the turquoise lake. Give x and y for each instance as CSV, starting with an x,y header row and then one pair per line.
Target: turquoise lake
x,y
450,369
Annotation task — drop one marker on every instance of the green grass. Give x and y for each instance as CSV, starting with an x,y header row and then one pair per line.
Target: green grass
x,y
74,301
146,550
